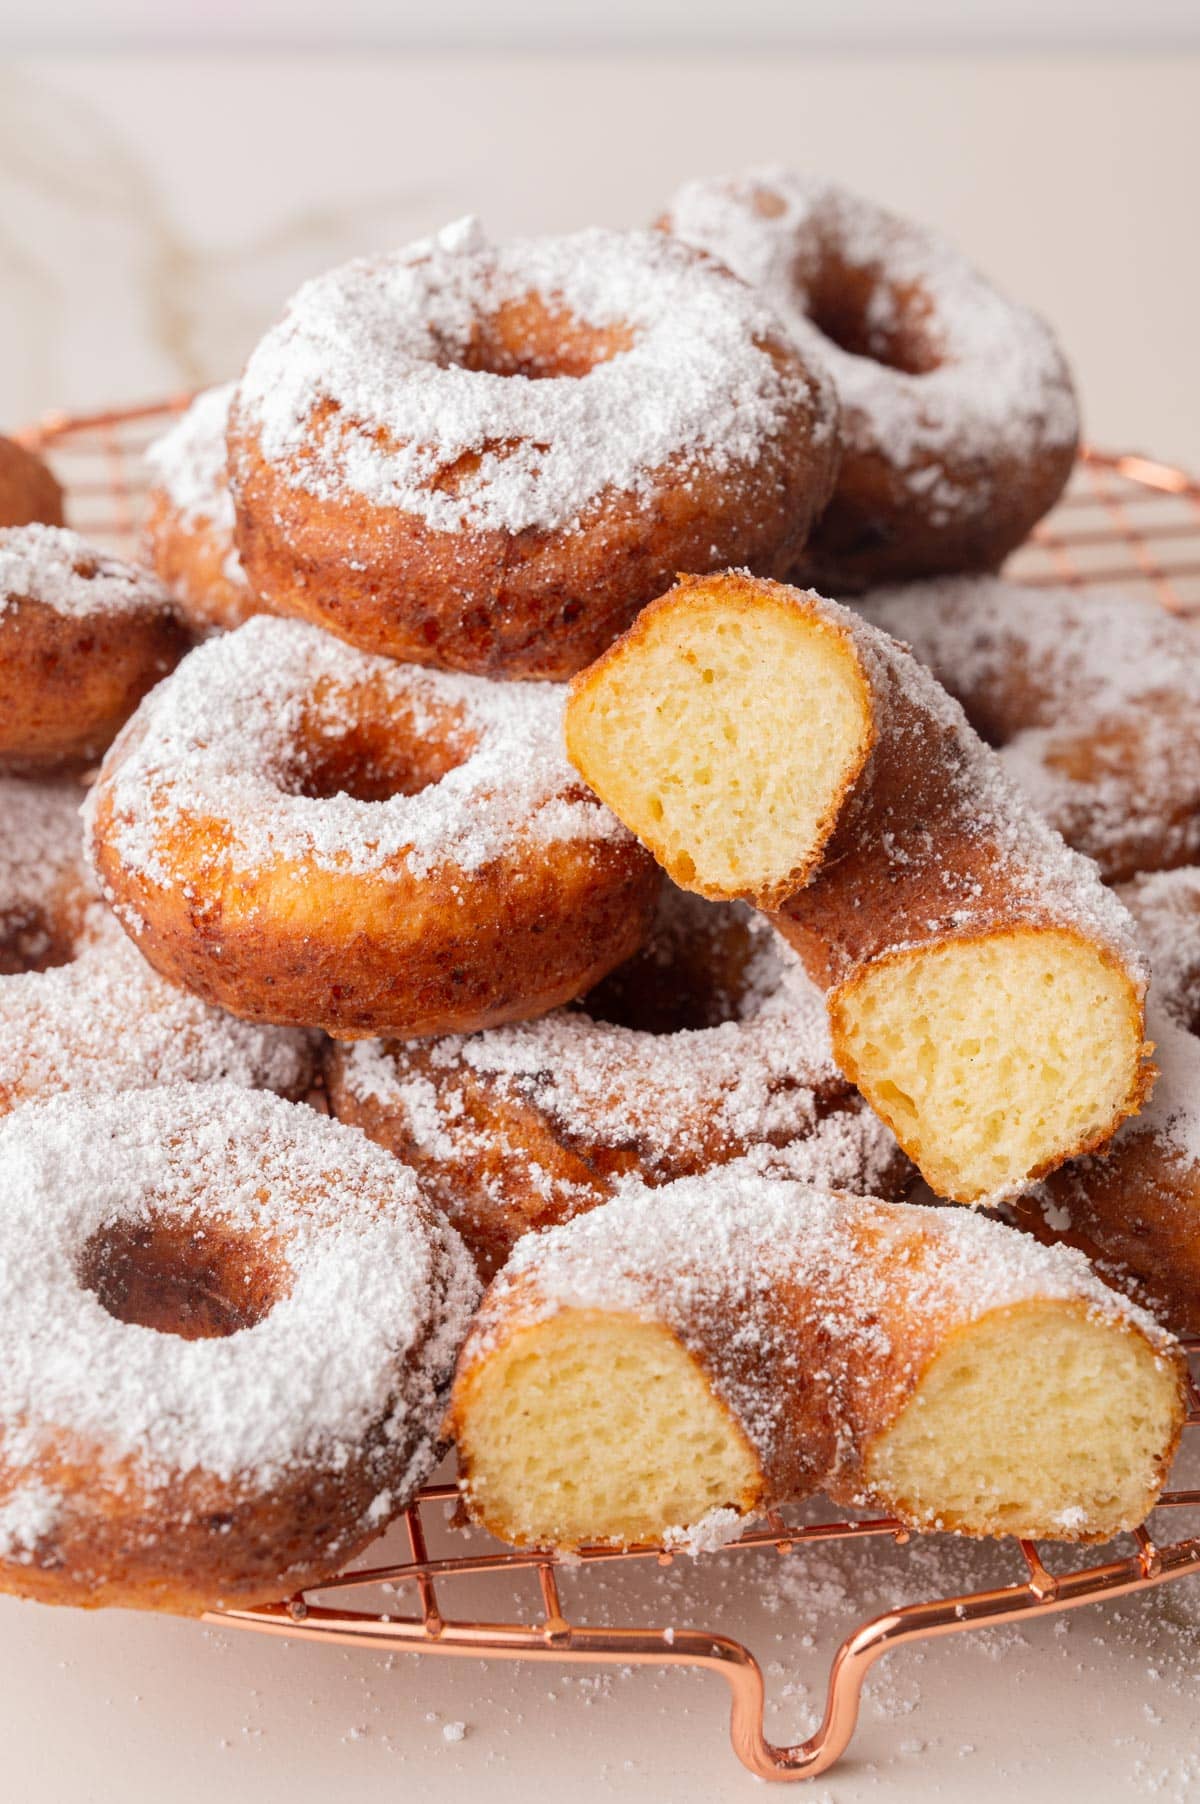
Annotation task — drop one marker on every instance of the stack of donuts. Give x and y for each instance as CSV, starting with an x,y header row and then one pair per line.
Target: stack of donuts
x,y
489,954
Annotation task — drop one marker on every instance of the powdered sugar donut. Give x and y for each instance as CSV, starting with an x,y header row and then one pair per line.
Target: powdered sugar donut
x,y
662,1368
227,1337
709,1045
83,636
44,893
308,835
1135,1208
189,524
80,1009
1093,700
959,419
488,458
29,491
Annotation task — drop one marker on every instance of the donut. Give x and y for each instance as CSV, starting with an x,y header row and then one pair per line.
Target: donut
x,y
959,419
304,834
707,1045
43,890
83,636
80,1009
667,1366
228,1335
1135,1210
29,492
1092,698
189,521
487,459
984,989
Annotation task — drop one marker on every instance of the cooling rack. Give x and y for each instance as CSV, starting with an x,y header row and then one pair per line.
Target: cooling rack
x,y
1125,519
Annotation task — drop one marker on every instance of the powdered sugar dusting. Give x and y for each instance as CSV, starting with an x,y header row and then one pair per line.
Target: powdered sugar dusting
x,y
41,869
717,1248
27,1515
999,376
1094,700
104,1019
1030,868
364,384
760,1084
53,566
108,1022
225,738
188,463
379,1294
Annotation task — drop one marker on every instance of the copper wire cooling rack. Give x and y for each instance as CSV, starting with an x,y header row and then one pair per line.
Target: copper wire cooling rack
x,y
1124,519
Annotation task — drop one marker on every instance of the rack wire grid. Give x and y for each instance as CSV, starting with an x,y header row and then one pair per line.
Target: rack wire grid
x,y
1124,519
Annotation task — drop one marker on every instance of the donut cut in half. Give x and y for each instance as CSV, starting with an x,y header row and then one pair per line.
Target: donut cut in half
x,y
659,1370
984,989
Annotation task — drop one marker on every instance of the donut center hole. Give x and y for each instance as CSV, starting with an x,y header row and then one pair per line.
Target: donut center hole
x,y
30,941
198,1283
529,338
371,760
885,322
689,976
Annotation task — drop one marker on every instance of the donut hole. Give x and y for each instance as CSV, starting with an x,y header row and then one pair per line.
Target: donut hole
x,y
31,941
886,322
197,1283
702,966
528,337
370,758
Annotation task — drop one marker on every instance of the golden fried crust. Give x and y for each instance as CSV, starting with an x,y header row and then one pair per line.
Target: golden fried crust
x,y
202,1548
67,685
387,954
530,604
882,525
814,1392
1134,1211
29,493
192,558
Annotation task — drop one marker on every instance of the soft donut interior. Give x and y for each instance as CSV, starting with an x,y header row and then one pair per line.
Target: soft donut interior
x,y
598,1427
994,1058
1030,1420
672,729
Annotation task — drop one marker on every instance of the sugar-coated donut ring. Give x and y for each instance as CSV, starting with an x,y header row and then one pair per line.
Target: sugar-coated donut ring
x,y
708,1045
985,991
959,420
1093,699
660,1369
308,835
228,1331
1134,1207
488,458
83,636
80,1009
29,491
189,520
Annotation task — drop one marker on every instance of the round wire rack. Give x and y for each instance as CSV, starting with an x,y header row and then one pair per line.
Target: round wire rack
x,y
1125,519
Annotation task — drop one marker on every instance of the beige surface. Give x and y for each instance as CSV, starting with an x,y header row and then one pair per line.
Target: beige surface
x,y
154,214
152,217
